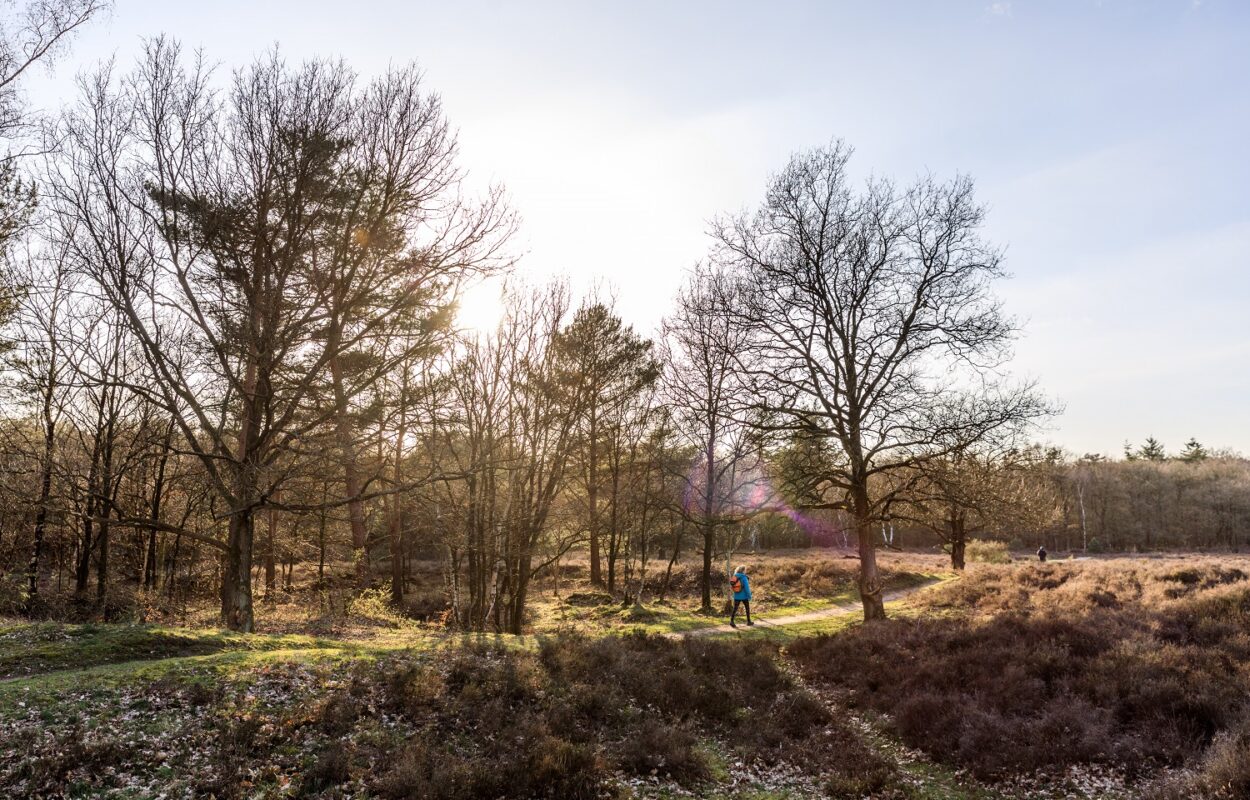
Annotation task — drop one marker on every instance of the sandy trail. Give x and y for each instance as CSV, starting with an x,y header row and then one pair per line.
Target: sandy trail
x,y
840,610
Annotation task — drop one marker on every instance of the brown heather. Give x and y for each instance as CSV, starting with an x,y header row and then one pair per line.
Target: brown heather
x,y
1135,664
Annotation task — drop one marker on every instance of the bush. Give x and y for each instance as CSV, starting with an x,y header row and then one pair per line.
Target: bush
x,y
330,767
12,594
658,748
987,552
1222,774
374,605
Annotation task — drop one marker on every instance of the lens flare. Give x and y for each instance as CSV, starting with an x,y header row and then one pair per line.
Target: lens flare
x,y
741,489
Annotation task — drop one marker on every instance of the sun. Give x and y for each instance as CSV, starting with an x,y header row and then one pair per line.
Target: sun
x,y
480,307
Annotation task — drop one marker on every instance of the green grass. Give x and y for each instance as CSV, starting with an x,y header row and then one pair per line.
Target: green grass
x,y
38,648
662,618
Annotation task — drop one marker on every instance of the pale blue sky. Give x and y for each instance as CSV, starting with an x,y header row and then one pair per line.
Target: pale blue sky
x,y
1111,140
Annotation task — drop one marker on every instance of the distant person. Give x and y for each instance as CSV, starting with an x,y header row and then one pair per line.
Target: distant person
x,y
741,586
1041,553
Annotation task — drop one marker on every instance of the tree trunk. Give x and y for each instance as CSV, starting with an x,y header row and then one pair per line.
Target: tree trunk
x,y
82,570
82,573
171,569
236,584
709,522
236,573
321,549
102,562
102,542
158,490
869,579
397,555
613,538
516,616
668,573
45,491
271,566
592,499
709,543
958,546
397,502
351,476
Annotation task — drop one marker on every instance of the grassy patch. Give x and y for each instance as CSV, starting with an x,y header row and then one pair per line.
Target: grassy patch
x,y
33,649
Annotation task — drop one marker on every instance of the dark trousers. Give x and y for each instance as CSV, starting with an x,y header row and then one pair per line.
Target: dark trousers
x,y
745,604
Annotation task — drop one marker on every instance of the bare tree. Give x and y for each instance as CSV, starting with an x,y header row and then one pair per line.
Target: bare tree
x,y
212,224
870,323
38,362
31,34
988,491
398,241
704,391
519,396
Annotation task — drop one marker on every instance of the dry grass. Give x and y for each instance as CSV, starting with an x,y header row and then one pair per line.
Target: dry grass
x,y
1134,664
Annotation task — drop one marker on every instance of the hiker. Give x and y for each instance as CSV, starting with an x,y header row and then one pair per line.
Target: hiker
x,y
1041,553
741,586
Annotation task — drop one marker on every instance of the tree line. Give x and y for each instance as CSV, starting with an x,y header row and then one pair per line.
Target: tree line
x,y
1197,499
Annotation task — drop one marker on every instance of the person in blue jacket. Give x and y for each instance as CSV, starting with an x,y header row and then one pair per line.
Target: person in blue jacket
x,y
741,586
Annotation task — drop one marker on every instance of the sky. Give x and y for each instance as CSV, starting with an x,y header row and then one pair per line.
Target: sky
x,y
1110,140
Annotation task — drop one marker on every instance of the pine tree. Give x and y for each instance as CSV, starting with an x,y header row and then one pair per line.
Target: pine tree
x,y
1194,451
1152,450
613,364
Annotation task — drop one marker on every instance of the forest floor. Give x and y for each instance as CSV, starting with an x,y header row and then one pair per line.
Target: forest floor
x,y
1072,679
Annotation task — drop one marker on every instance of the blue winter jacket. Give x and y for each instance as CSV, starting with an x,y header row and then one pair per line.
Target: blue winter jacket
x,y
745,592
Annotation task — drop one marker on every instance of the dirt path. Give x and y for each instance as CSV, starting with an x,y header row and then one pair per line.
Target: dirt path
x,y
840,610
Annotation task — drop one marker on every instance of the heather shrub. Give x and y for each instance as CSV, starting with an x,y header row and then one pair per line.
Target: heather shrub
x,y
659,748
52,766
338,714
1044,666
987,552
12,594
330,767
556,722
1223,773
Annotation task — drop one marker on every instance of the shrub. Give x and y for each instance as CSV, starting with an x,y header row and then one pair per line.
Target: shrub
x,y
330,767
374,606
338,714
12,594
658,748
987,552
1222,774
